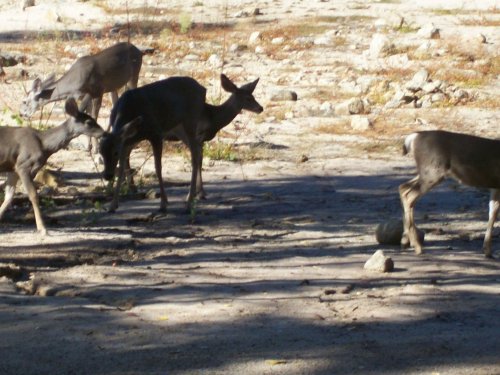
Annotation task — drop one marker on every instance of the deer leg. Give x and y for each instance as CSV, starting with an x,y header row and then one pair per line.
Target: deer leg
x,y
85,103
157,151
196,157
200,192
121,172
10,189
409,193
33,197
129,173
494,205
96,106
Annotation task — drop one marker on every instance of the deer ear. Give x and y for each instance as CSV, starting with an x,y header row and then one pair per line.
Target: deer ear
x,y
227,84
49,80
250,87
36,85
131,128
71,107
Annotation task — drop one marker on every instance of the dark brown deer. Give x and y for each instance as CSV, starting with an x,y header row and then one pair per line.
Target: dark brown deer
x,y
89,77
470,160
171,109
23,151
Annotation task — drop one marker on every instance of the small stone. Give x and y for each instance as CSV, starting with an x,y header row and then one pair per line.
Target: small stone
x,y
431,87
255,37
438,97
389,232
278,40
418,81
151,194
303,158
28,3
360,123
282,95
380,46
215,61
354,106
260,50
379,262
429,31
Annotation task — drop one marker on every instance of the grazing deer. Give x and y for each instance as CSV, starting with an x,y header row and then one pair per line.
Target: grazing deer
x,y
91,77
470,160
23,151
171,109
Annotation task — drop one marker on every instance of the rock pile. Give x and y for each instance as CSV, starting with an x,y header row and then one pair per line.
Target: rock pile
x,y
423,92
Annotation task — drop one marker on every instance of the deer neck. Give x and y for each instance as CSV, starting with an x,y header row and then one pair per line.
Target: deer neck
x,y
222,115
56,138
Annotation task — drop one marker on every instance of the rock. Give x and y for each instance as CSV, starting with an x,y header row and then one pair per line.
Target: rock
x,y
429,31
431,87
77,51
48,178
235,47
257,12
215,61
438,97
278,40
151,194
260,50
282,95
379,262
242,14
401,60
27,3
255,37
327,109
391,232
11,271
323,40
380,46
352,106
460,95
418,80
360,122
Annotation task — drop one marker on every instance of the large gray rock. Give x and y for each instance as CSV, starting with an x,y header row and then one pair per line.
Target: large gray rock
x,y
379,262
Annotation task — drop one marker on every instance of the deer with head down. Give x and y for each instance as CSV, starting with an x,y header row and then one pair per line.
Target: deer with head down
x,y
171,109
91,77
23,151
470,160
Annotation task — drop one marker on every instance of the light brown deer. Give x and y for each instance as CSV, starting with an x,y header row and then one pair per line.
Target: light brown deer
x,y
23,151
470,160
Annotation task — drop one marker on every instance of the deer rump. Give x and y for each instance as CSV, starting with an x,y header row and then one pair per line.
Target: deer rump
x,y
471,160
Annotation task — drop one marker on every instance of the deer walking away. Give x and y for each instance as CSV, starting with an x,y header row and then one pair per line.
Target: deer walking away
x,y
471,160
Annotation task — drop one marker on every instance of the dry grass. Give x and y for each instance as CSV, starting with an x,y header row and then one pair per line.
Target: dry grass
x,y
480,21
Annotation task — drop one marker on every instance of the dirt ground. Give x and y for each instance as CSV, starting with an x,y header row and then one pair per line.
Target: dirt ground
x,y
266,275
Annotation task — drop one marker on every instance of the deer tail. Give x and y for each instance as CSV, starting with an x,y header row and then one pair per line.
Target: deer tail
x,y
408,144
